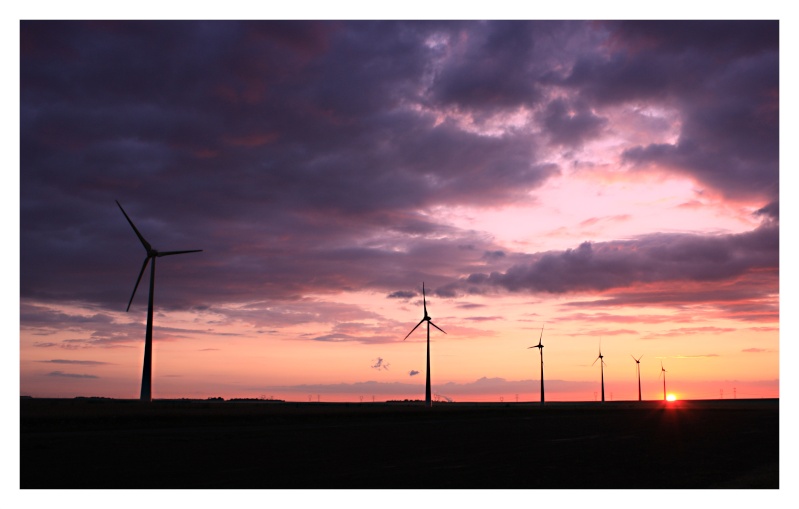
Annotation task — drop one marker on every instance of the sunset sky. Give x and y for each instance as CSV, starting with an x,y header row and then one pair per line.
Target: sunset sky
x,y
613,182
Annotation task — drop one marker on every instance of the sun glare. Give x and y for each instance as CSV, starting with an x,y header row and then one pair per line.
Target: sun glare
x,y
671,397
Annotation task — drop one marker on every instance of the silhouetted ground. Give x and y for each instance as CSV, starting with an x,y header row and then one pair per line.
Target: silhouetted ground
x,y
85,443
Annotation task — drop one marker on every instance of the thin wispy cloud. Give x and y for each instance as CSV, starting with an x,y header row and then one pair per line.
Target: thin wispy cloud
x,y
70,375
78,362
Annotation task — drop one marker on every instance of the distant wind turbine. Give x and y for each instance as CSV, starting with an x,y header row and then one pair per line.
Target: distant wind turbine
x,y
663,374
602,368
427,393
541,351
638,365
146,378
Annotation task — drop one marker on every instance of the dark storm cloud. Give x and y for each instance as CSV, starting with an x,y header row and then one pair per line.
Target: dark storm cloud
x,y
251,144
772,211
649,259
402,294
571,126
493,66
723,78
301,156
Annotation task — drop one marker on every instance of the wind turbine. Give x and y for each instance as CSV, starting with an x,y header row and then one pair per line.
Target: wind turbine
x,y
146,377
663,374
427,399
638,365
602,368
541,351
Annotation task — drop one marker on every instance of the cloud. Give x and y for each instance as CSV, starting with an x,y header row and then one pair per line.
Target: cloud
x,y
413,372
70,375
379,364
755,350
483,318
382,332
84,363
571,125
649,258
296,183
725,83
604,332
689,331
402,294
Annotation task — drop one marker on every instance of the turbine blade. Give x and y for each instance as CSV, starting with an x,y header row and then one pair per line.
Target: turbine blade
x,y
141,273
437,327
144,242
424,300
167,253
411,332
595,361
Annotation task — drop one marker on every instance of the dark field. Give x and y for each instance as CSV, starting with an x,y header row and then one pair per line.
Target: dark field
x,y
87,443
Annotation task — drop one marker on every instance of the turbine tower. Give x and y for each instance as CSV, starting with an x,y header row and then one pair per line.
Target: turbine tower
x,y
638,365
541,351
146,377
663,374
427,394
602,368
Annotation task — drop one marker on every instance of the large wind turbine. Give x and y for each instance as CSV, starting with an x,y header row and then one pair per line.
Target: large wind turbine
x,y
663,374
146,377
638,365
427,399
602,368
541,351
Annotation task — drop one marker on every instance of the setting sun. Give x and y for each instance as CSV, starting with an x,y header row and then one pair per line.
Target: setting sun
x,y
671,397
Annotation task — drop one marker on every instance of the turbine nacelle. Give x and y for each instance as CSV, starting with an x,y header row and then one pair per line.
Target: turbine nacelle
x,y
151,253
539,345
600,357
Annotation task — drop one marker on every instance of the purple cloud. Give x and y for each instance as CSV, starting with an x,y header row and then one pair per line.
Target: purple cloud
x,y
379,364
649,259
255,146
70,375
